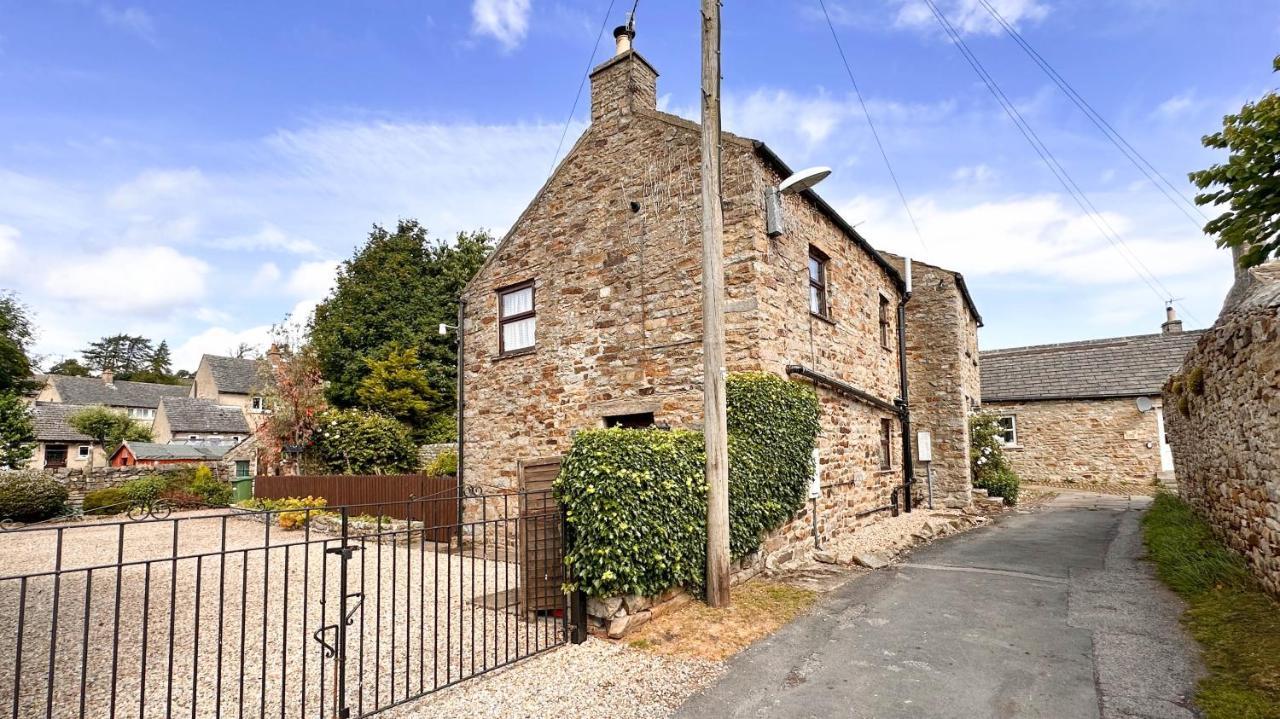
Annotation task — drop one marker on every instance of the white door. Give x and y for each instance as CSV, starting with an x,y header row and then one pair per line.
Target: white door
x,y
1166,454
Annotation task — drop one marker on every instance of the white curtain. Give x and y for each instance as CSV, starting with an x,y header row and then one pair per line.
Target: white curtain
x,y
519,334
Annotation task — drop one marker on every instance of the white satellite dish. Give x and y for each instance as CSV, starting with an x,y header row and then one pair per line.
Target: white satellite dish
x,y
803,180
1144,404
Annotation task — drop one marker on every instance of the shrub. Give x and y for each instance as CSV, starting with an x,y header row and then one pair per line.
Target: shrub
x,y
1195,381
445,464
442,428
287,519
210,489
636,499
112,500
27,496
987,463
145,489
355,442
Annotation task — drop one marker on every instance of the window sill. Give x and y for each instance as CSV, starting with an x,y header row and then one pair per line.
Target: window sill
x,y
824,318
890,470
513,354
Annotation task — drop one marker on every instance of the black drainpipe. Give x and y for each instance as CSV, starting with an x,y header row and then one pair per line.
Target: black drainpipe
x,y
904,406
462,406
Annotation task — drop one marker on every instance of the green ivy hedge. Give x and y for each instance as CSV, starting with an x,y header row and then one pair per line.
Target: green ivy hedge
x,y
636,499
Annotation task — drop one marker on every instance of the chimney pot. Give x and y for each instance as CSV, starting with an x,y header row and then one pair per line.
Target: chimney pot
x,y
1172,325
108,376
623,36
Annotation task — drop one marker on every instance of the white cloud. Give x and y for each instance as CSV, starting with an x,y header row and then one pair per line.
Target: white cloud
x,y
268,238
970,17
505,20
142,280
8,249
973,174
219,341
155,188
132,19
266,278
1176,106
312,280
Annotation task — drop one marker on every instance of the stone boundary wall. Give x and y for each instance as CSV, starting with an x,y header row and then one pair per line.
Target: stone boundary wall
x,y
1223,423
81,481
427,453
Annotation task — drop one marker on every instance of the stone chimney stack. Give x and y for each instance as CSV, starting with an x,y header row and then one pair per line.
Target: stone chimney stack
x,y
624,82
1172,325
108,376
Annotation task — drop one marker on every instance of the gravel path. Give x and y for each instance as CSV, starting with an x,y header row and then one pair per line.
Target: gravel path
x,y
231,632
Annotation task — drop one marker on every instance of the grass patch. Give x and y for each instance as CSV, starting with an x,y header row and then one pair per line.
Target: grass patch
x,y
759,609
1235,621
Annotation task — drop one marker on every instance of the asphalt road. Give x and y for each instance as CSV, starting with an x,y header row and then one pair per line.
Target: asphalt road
x,y
1046,614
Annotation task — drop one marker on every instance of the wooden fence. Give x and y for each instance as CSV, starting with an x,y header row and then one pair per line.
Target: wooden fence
x,y
434,499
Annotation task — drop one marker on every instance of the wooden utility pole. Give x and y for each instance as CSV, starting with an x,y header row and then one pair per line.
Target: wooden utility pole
x,y
714,428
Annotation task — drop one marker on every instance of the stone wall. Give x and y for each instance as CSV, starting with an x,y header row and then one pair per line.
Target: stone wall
x,y
427,453
1085,441
81,481
1225,430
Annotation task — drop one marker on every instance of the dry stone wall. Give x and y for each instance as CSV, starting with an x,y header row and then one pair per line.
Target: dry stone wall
x,y
1224,425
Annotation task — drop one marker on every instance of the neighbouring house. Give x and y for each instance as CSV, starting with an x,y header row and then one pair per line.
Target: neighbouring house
x,y
589,311
232,381
58,444
241,461
184,420
1087,411
139,400
152,454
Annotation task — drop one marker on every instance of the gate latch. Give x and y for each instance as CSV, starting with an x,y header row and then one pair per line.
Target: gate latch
x,y
345,551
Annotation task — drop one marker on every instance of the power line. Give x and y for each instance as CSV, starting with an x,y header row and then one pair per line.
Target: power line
x,y
874,133
1051,161
604,22
1167,188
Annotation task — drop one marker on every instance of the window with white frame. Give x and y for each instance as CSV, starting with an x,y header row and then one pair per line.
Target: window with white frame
x,y
258,404
517,321
1008,435
142,413
83,451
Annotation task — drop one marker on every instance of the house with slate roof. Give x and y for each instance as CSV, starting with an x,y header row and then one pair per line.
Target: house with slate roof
x,y
58,444
139,400
153,454
1087,411
233,381
187,420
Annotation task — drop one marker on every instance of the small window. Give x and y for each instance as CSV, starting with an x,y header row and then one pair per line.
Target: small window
x,y
242,469
517,323
258,404
641,420
885,322
83,451
55,455
1008,435
886,443
193,438
818,283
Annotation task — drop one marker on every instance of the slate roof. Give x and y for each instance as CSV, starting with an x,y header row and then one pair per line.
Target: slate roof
x,y
92,390
236,375
51,422
1116,367
186,414
156,451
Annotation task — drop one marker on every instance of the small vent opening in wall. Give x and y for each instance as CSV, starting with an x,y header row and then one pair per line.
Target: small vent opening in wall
x,y
640,420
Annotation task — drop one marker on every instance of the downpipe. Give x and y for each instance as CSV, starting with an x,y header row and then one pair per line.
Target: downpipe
x,y
904,405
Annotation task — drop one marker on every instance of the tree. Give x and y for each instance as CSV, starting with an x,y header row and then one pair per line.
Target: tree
x,y
399,387
293,389
396,289
17,432
352,441
161,362
16,333
119,353
70,367
108,428
1248,185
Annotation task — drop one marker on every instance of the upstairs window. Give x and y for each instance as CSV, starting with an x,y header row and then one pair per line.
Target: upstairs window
x,y
258,404
885,322
886,443
517,322
818,283
1008,435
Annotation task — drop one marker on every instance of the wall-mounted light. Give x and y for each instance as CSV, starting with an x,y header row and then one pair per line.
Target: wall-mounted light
x,y
797,182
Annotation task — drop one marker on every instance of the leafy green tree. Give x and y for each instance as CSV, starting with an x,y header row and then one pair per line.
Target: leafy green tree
x,y
119,353
1248,185
108,428
70,367
397,289
17,432
398,386
16,333
351,441
161,362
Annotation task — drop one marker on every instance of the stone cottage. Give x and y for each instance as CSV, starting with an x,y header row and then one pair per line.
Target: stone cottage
x,y
588,313
1087,411
139,400
184,420
58,444
231,381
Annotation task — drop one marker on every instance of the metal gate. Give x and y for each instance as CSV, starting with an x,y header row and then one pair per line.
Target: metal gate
x,y
305,612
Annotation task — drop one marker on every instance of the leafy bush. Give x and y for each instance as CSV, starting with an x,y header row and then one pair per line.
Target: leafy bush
x,y
1195,380
355,442
445,464
287,519
442,428
210,489
989,466
112,500
636,499
28,496
147,489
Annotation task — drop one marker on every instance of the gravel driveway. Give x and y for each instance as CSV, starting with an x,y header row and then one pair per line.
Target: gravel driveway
x,y
231,632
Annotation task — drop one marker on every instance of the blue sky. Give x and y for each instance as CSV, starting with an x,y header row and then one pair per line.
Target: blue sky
x,y
193,171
